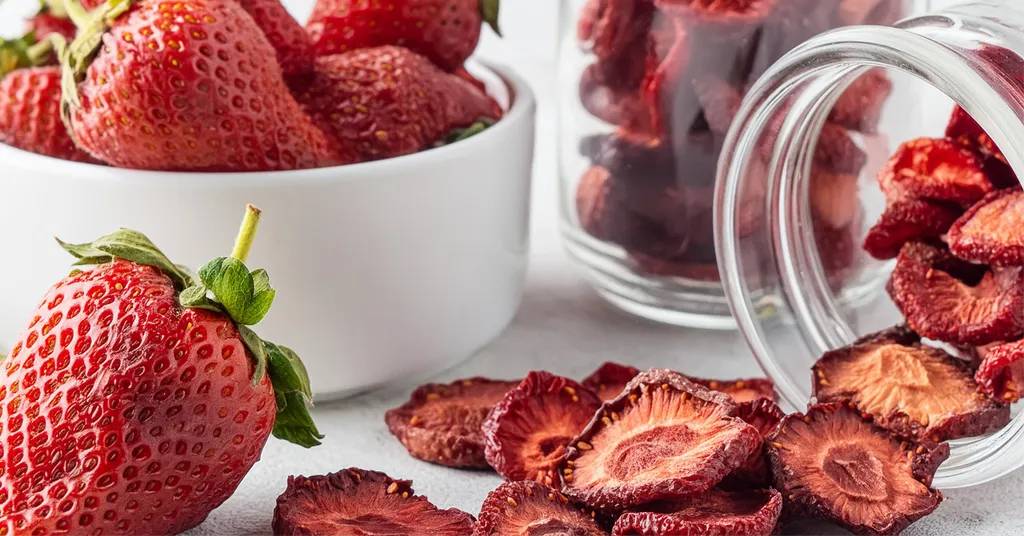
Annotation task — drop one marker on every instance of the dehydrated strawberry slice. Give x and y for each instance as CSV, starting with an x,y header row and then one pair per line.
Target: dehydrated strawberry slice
x,y
355,501
622,107
441,423
966,131
838,152
619,25
591,198
936,169
912,389
992,231
664,437
833,464
741,390
835,198
531,509
720,20
860,106
739,513
906,220
642,159
1001,373
937,295
719,100
765,415
610,379
528,431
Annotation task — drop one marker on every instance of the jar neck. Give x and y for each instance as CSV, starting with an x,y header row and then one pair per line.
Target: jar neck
x,y
773,137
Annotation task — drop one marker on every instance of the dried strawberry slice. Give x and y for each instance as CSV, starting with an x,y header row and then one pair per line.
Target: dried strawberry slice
x,y
833,464
528,431
859,108
906,220
620,24
610,379
738,513
623,107
720,20
645,160
1001,373
992,231
835,198
355,501
936,294
765,415
838,152
719,100
528,508
664,437
936,169
966,131
591,198
741,390
912,389
441,423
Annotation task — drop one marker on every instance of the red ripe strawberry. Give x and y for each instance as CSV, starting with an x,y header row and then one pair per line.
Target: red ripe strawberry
x,y
289,38
388,101
46,23
446,31
126,412
186,85
30,114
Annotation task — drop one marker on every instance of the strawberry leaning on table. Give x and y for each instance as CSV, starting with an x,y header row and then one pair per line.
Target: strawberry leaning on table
x,y
134,402
185,86
445,31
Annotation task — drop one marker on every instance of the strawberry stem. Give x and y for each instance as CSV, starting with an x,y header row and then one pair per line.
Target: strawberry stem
x,y
247,233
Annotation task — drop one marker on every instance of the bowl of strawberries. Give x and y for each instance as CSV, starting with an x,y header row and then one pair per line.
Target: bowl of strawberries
x,y
394,173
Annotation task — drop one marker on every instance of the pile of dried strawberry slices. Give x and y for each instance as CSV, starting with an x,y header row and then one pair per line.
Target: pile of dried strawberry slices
x,y
626,452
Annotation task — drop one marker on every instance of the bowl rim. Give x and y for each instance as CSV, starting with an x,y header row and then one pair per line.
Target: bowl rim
x,y
522,107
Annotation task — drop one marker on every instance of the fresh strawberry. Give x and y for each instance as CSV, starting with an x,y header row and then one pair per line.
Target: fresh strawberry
x,y
134,403
389,101
188,85
289,38
30,101
30,114
446,31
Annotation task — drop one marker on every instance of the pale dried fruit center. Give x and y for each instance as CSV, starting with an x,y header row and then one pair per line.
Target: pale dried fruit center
x,y
856,472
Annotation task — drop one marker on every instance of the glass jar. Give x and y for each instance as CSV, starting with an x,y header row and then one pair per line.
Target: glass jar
x,y
649,89
777,277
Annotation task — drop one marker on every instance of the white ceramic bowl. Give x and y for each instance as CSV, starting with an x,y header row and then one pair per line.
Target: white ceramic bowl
x,y
384,270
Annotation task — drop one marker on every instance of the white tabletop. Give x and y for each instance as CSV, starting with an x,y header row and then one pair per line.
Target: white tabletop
x,y
565,328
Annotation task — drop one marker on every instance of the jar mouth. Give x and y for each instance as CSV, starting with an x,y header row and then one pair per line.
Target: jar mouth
x,y
790,104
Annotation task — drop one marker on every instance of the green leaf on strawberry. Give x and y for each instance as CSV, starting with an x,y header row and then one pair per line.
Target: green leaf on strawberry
x,y
131,246
489,11
227,287
245,295
461,134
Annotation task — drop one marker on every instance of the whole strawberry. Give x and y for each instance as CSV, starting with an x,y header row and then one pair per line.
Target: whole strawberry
x,y
389,101
446,31
30,102
288,37
134,403
188,85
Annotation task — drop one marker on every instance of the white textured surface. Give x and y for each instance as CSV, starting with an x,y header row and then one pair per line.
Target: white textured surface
x,y
563,327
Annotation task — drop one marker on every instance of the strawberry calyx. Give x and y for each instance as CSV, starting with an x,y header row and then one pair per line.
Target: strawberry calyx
x,y
459,134
26,51
226,286
76,57
489,12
